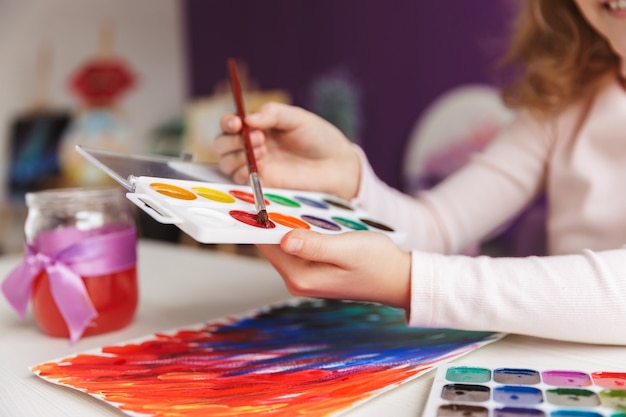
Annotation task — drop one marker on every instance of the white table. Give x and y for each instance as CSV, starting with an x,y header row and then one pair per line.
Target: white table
x,y
180,286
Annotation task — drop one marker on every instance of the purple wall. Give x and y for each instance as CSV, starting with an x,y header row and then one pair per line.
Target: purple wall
x,y
401,53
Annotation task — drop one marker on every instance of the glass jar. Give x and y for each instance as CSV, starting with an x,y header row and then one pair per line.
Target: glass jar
x,y
82,235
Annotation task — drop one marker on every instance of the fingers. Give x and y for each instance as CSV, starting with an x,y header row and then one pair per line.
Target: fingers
x,y
313,264
232,158
271,115
317,247
279,116
230,150
227,143
358,265
238,173
230,123
301,277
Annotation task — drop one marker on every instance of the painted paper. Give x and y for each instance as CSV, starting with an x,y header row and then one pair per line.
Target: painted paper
x,y
305,357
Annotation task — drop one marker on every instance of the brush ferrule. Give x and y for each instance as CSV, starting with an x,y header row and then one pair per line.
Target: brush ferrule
x,y
259,200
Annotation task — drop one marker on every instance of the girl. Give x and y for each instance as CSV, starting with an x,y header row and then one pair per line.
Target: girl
x,y
568,140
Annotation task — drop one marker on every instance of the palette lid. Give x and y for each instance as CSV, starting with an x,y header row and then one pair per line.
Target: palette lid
x,y
126,168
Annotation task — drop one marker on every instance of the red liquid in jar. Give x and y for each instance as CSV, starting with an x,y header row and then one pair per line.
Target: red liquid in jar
x,y
113,295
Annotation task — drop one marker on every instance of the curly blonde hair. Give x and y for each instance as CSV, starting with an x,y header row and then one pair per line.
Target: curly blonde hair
x,y
559,58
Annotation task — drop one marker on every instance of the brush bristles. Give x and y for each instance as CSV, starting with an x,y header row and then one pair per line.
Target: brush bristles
x,y
262,218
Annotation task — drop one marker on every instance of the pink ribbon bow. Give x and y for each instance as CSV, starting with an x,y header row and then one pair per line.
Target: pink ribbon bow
x,y
67,254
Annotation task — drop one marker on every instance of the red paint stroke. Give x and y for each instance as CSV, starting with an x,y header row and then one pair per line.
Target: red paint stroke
x,y
140,379
314,359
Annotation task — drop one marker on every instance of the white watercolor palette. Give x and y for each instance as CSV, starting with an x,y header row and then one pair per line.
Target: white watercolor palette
x,y
225,213
211,211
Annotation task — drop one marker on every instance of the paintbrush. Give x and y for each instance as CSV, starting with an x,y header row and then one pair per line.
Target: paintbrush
x,y
255,183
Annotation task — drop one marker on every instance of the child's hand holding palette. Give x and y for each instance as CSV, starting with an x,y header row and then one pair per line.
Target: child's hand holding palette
x,y
217,212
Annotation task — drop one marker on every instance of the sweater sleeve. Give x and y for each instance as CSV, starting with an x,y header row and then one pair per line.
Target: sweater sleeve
x,y
575,297
578,297
474,201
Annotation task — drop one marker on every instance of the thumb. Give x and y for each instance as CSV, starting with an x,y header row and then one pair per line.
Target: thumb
x,y
309,245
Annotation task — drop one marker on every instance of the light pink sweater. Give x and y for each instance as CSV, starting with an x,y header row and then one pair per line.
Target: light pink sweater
x,y
578,292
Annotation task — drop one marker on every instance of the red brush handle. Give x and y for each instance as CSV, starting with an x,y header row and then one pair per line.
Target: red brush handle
x,y
236,87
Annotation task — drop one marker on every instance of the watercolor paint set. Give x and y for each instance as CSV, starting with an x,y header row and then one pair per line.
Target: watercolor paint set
x,y
196,198
483,391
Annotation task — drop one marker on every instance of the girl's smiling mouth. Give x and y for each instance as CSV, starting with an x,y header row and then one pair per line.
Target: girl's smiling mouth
x,y
615,5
